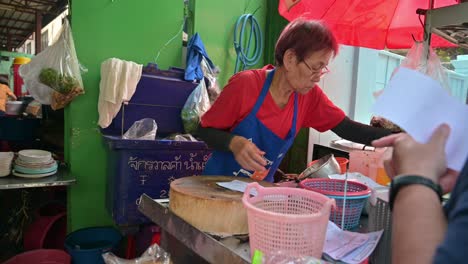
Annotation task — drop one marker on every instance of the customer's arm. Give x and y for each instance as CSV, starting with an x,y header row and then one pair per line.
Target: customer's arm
x,y
358,132
418,225
418,221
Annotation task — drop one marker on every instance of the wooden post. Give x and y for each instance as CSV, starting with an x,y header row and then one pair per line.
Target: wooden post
x,y
38,32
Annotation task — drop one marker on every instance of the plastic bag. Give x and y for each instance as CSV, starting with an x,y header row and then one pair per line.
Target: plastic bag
x,y
182,137
145,129
153,255
54,75
417,59
196,105
430,65
210,76
34,108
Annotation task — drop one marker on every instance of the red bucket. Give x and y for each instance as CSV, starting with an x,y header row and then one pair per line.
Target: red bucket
x,y
41,256
48,230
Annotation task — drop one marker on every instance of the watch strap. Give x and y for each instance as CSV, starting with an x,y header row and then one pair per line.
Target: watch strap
x,y
405,180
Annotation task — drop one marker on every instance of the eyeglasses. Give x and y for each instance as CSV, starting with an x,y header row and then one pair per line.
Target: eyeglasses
x,y
321,71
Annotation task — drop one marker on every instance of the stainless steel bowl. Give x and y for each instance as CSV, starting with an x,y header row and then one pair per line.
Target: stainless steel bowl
x,y
325,166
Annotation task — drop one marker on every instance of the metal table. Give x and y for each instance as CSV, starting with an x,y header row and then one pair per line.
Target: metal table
x,y
61,178
186,244
201,247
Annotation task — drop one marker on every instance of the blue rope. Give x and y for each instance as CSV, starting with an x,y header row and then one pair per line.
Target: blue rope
x,y
242,47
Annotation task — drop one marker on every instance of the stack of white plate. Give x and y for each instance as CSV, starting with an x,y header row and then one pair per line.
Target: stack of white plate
x,y
34,163
5,163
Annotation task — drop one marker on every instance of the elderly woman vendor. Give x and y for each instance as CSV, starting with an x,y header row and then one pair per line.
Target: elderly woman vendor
x,y
257,116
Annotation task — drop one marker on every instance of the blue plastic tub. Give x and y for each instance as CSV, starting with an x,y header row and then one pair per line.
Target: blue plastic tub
x,y
87,245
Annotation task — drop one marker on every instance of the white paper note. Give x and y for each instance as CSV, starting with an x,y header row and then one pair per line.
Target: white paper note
x,y
419,104
236,185
350,247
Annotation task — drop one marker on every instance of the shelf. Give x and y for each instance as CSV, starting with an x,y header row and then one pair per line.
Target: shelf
x,y
451,23
61,178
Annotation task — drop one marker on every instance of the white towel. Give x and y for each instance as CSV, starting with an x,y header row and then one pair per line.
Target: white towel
x,y
119,79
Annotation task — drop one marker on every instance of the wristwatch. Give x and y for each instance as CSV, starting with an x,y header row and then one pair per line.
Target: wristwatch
x,y
402,181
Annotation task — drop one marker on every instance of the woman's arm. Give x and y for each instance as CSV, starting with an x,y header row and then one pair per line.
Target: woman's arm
x,y
358,132
215,138
245,152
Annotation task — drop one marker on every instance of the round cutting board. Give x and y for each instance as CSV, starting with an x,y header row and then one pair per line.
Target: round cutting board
x,y
209,207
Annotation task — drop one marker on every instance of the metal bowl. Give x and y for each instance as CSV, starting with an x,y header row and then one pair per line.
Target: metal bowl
x,y
323,167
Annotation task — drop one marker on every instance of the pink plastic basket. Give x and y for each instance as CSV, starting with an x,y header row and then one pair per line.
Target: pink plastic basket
x,y
356,196
291,220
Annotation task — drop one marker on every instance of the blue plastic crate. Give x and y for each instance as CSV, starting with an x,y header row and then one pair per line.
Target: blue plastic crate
x,y
160,95
146,166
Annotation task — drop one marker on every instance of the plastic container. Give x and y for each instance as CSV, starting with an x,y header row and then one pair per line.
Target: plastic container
x,y
160,95
356,197
87,245
290,220
41,256
146,166
343,162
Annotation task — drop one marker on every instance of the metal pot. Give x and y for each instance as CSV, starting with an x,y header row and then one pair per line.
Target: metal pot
x,y
14,107
323,167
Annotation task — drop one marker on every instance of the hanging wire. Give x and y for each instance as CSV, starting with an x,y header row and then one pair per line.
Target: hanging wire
x,y
170,40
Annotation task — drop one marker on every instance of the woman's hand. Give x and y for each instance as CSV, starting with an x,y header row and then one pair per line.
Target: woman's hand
x,y
413,158
247,154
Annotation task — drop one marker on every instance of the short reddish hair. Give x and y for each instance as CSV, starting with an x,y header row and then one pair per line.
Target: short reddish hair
x,y
304,37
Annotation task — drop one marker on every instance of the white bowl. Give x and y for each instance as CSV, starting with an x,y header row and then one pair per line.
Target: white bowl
x,y
35,155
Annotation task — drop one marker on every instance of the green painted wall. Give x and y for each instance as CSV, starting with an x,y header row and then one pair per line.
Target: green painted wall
x,y
129,30
215,20
136,31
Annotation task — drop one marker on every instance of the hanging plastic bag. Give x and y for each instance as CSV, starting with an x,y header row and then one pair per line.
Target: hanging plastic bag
x,y
423,61
426,63
153,255
145,129
211,82
196,105
53,77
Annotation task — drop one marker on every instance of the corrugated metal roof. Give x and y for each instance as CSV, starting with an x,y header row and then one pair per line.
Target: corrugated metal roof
x,y
18,18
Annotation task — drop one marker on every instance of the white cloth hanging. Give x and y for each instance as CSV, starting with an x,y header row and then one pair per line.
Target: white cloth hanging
x,y
119,79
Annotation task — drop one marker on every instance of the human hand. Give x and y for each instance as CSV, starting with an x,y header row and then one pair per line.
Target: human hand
x,y
412,158
247,154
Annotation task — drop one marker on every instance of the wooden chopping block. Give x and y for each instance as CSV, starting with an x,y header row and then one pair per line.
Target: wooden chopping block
x,y
209,207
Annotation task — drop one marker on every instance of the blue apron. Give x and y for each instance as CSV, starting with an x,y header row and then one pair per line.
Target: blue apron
x,y
275,148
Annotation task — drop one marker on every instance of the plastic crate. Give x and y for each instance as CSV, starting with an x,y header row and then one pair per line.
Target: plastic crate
x,y
146,166
160,95
380,217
